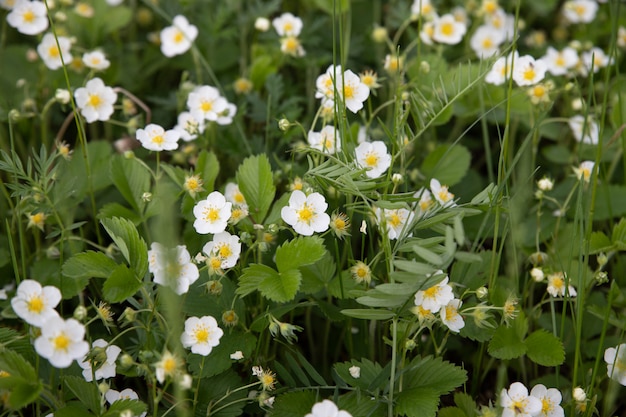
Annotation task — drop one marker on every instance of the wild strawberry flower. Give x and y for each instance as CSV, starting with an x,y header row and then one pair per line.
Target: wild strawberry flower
x,y
557,287
233,194
201,334
95,100
61,342
35,304
96,60
126,394
349,87
327,140
212,214
327,408
361,272
435,297
448,30
153,137
550,401
450,315
28,17
225,117
290,45
486,40
224,249
206,103
441,193
177,39
373,157
595,59
528,70
188,126
584,130
584,170
501,69
425,202
287,25
423,8
172,267
395,221
168,367
104,357
517,403
325,83
580,11
560,62
51,53
306,214
615,358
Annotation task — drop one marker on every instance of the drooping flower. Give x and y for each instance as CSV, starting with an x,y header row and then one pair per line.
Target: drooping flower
x,y
517,403
287,25
585,130
28,17
206,103
435,297
615,359
201,334
327,140
450,315
35,304
54,55
177,39
306,214
395,221
172,267
225,248
96,60
441,193
103,358
153,137
448,30
327,408
373,157
550,401
62,341
95,100
212,214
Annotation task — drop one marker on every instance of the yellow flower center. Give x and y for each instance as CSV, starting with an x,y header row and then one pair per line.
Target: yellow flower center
x,y
211,214
305,214
94,100
451,312
487,43
239,198
38,219
361,272
61,342
28,16
35,304
447,29
288,27
291,44
215,263
53,51
371,159
169,365
206,106
560,61
518,406
579,9
529,74
225,251
546,406
539,91
395,220
444,195
431,292
558,283
490,7
201,334
158,139
340,223
348,91
178,37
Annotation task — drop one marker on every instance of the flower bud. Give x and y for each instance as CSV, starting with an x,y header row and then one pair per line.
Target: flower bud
x,y
80,313
262,24
62,95
397,178
579,394
379,34
284,124
545,184
602,259
537,274
482,292
146,197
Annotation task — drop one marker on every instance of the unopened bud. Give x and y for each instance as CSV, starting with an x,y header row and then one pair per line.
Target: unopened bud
x,y
379,34
537,274
80,313
482,292
397,178
579,394
62,95
284,124
262,24
602,259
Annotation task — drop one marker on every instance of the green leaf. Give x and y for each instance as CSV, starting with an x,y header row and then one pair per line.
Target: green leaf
x,y
118,210
73,410
131,179
281,287
252,277
136,407
261,67
89,264
368,314
255,180
121,284
126,237
465,403
310,369
506,343
434,373
219,359
544,348
86,392
618,236
417,402
15,365
298,252
448,164
369,372
599,242
610,201
116,18
451,412
294,404
330,6
207,166
357,404
22,383
315,277
428,255
219,387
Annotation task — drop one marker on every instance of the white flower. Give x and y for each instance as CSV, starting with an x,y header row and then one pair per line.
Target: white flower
x,y
325,83
435,297
306,214
291,45
450,315
234,195
485,41
201,334
225,117
96,60
545,184
373,157
615,359
579,394
206,103
327,408
225,248
262,24
127,394
188,126
62,95
517,402
177,39
503,22
580,11
238,355
585,131
528,70
560,62
28,17
448,30
556,285
212,214
35,304
155,138
423,8
287,25
550,401
537,274
584,170
62,341
114,2
168,366
501,69
395,220
328,140
95,100
595,58
355,372
50,52
363,228
425,202
353,91
441,193
172,267
107,368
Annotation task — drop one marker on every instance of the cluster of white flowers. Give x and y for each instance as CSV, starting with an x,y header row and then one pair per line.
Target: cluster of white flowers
x,y
289,27
327,140
446,29
542,401
172,267
345,85
440,299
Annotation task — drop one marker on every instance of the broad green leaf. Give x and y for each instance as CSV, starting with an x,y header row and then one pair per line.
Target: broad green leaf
x,y
451,412
618,236
610,201
255,180
368,314
73,409
417,402
48,272
136,407
207,166
15,365
86,392
262,66
448,164
115,19
292,404
368,372
506,344
126,237
281,287
466,403
22,383
89,264
252,277
382,300
354,403
118,210
599,242
416,268
544,348
120,285
131,179
331,7
434,373
298,252
218,387
315,277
